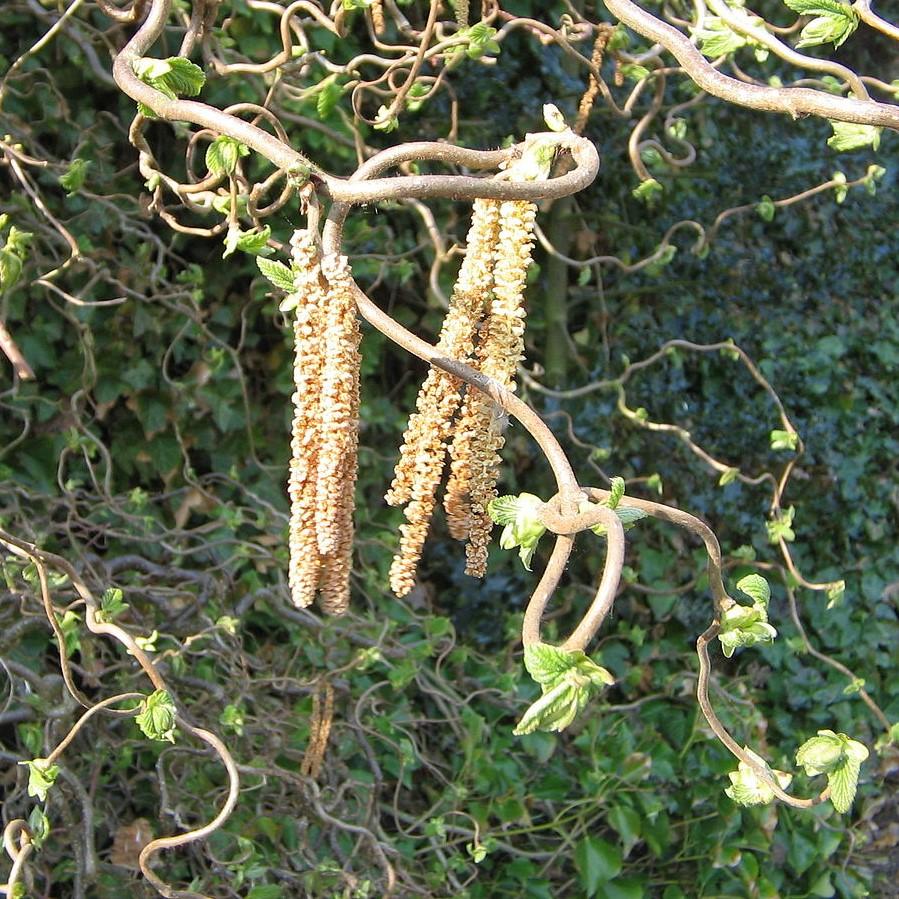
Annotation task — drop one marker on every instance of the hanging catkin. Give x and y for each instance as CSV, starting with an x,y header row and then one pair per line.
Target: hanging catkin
x,y
303,571
338,457
324,441
478,434
423,453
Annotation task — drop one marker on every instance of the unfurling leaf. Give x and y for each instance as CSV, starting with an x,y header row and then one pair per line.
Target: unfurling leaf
x,y
156,717
745,625
747,786
784,440
173,77
851,136
839,757
41,776
781,526
223,154
520,518
568,678
766,208
834,22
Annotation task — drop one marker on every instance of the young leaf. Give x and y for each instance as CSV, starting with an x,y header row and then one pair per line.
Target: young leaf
x,y
276,272
727,476
156,717
756,588
112,604
766,208
616,492
717,39
523,528
851,136
73,179
41,776
843,783
38,826
781,527
223,153
784,440
748,788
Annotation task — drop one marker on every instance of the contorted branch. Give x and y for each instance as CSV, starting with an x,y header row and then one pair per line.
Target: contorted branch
x,y
795,101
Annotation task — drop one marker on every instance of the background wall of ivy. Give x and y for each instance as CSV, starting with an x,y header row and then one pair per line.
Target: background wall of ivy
x,y
179,398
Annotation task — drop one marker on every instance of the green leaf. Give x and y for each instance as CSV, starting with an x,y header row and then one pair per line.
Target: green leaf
x,y
716,38
843,783
70,625
73,179
840,189
727,476
820,754
523,526
748,788
835,21
756,588
850,136
276,272
781,527
647,191
156,717
38,826
232,717
835,593
766,208
326,98
10,269
567,678
172,77
41,776
253,242
112,604
597,862
223,154
784,440
548,664
627,515
266,891
616,492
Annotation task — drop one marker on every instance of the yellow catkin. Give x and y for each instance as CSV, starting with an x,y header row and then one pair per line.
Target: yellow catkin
x,y
478,434
304,565
423,453
339,422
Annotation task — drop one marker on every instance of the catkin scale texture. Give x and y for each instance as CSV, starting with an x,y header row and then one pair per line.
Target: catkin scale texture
x,y
324,438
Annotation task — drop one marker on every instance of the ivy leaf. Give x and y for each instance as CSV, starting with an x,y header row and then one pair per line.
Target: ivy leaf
x,y
156,717
276,272
223,154
41,776
851,136
73,179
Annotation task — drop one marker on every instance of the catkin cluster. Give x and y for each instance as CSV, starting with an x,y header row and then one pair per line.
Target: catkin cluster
x,y
323,463
485,328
